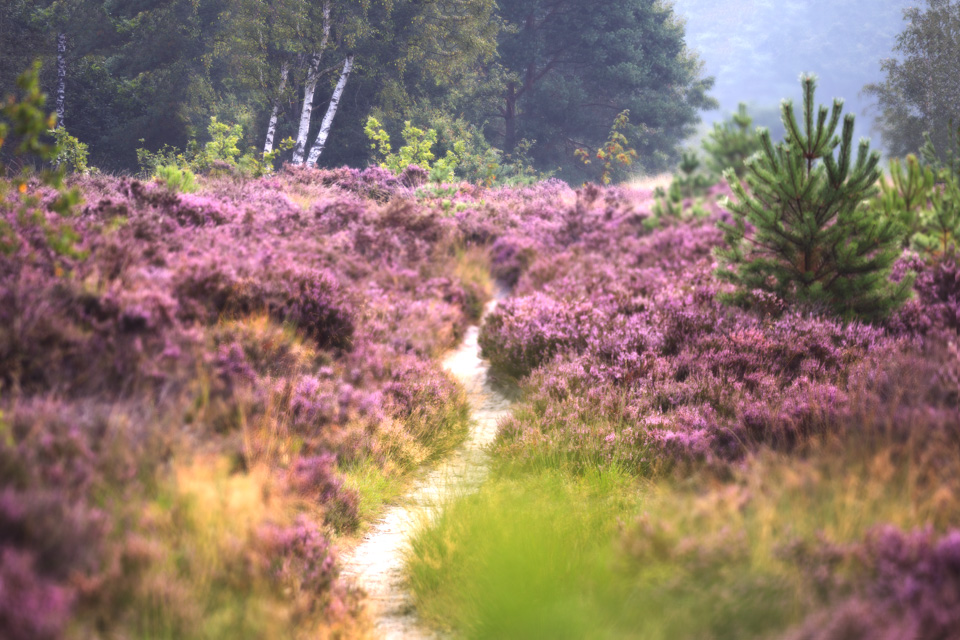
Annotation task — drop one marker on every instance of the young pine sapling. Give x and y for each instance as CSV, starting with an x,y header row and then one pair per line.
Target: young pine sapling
x,y
802,230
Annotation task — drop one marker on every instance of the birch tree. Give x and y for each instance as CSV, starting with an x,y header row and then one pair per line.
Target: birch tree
x,y
61,21
275,111
61,78
921,89
321,142
310,88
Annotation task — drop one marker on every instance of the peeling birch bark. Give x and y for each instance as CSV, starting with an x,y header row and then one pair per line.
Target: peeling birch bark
x,y
275,113
321,142
309,90
61,77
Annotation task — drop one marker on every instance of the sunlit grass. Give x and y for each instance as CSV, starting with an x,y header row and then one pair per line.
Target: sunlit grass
x,y
472,268
204,576
375,487
511,561
547,554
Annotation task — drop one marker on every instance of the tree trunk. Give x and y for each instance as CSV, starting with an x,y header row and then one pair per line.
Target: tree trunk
x,y
275,113
310,88
61,77
321,142
510,119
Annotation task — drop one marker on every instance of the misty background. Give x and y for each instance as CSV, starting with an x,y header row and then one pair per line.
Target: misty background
x,y
756,50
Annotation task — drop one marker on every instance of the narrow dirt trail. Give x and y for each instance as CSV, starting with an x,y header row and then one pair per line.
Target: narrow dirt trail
x,y
376,564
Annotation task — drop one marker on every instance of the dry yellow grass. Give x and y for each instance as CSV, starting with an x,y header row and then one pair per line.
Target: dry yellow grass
x,y
651,182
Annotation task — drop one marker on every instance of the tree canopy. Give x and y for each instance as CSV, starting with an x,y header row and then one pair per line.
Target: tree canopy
x,y
150,73
921,90
573,65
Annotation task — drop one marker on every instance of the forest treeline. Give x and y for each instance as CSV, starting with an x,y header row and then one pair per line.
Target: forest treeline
x,y
522,84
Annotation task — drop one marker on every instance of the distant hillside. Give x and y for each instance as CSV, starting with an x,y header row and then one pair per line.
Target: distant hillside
x,y
756,49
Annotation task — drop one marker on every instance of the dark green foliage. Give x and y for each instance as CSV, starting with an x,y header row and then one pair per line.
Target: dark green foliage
x,y
802,232
573,65
158,71
730,144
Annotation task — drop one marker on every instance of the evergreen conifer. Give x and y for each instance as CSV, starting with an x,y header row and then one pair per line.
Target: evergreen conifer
x,y
802,231
907,195
730,144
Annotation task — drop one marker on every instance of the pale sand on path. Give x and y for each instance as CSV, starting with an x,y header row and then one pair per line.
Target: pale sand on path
x,y
376,563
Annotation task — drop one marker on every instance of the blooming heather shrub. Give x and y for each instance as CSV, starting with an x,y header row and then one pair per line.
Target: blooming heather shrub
x,y
206,290
301,556
374,182
304,316
316,477
937,303
526,332
187,209
433,408
65,469
510,256
610,314
31,608
338,215
312,301
414,176
903,584
292,328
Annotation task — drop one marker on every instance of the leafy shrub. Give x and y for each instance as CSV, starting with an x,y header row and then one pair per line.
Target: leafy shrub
x,y
478,162
71,153
803,232
614,154
28,122
417,150
220,155
177,179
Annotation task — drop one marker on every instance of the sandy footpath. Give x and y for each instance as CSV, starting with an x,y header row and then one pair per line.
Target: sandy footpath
x,y
376,563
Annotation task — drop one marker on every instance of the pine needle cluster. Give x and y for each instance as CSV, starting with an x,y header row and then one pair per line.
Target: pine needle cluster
x,y
801,229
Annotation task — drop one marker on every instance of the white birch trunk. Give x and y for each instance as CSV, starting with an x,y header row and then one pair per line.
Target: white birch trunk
x,y
61,77
309,89
275,113
321,142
